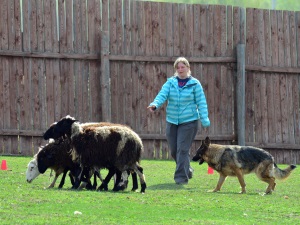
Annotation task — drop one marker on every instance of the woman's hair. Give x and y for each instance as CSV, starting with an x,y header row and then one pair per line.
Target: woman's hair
x,y
184,61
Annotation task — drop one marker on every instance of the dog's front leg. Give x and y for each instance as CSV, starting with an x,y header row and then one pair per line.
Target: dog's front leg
x,y
222,178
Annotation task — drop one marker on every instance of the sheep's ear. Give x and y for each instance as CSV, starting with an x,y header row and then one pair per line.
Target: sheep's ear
x,y
71,118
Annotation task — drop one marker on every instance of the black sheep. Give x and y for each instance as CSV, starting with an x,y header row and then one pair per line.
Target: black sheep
x,y
56,157
113,146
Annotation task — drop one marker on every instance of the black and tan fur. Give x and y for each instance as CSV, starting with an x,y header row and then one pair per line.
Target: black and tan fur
x,y
235,160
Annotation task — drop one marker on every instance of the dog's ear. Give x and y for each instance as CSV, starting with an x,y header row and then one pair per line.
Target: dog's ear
x,y
207,141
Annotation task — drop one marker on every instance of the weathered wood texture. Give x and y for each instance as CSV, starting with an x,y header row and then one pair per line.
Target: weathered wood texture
x,y
80,57
39,84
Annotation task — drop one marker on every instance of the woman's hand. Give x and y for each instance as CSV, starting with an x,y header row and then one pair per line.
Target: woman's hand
x,y
151,108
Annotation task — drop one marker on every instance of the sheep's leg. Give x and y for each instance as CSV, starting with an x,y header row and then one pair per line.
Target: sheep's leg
x,y
96,174
122,184
86,179
118,179
78,180
72,179
139,170
54,180
62,182
104,185
135,185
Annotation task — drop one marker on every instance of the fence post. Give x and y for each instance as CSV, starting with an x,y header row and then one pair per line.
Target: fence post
x,y
241,94
105,78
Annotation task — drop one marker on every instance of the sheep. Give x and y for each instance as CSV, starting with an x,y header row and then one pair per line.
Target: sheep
x,y
113,146
53,156
56,156
122,184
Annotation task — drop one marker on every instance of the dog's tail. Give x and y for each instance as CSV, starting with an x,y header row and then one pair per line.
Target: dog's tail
x,y
283,174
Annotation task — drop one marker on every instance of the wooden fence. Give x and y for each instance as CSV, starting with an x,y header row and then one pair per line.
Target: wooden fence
x,y
106,61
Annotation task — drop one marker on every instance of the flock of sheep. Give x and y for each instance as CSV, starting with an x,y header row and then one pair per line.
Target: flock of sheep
x,y
83,149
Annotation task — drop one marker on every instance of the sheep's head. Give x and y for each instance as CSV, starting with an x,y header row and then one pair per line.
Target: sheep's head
x,y
45,158
32,170
49,133
63,128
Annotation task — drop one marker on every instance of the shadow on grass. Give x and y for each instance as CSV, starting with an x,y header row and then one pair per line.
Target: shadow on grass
x,y
169,186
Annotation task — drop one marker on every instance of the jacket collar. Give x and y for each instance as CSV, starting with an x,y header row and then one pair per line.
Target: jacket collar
x,y
174,81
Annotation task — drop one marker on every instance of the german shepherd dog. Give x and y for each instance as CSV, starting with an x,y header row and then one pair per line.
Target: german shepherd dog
x,y
235,160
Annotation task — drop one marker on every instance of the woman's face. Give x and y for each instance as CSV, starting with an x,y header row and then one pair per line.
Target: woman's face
x,y
182,70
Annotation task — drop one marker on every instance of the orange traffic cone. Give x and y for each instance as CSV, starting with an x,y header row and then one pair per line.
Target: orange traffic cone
x,y
3,165
210,170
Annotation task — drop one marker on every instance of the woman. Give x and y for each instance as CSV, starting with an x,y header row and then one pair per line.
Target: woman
x,y
186,106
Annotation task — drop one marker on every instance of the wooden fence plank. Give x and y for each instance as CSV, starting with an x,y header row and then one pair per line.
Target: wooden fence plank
x,y
210,31
49,92
95,98
257,88
48,26
91,26
236,36
121,101
71,87
114,91
36,90
169,30
148,29
223,26
298,33
134,27
216,37
203,31
119,27
127,93
141,24
86,92
78,33
295,103
286,39
4,25
190,30
40,27
176,28
293,42
113,28
249,126
156,24
217,83
2,78
62,27
162,30
229,32
182,28
290,109
135,96
127,27
24,86
196,30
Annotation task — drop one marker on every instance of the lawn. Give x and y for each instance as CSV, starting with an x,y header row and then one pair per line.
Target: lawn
x,y
163,203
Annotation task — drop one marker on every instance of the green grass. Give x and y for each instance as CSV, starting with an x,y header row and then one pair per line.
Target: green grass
x,y
163,203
